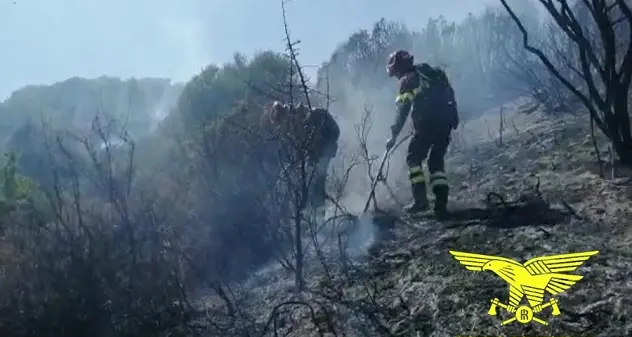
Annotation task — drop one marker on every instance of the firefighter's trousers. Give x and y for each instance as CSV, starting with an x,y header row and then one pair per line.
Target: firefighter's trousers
x,y
431,143
318,186
318,193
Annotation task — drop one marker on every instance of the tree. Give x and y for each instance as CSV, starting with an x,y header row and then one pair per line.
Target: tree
x,y
16,189
470,51
87,264
361,59
605,62
74,102
520,71
224,163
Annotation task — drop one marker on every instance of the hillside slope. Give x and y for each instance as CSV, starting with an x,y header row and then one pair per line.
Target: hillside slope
x,y
554,203
580,212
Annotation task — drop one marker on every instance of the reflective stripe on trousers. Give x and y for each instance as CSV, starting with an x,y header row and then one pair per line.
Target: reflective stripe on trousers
x,y
416,175
438,178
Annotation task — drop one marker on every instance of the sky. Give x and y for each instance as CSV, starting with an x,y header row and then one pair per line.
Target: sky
x,y
45,41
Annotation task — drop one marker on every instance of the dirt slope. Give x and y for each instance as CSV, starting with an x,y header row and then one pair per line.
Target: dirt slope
x,y
554,203
429,292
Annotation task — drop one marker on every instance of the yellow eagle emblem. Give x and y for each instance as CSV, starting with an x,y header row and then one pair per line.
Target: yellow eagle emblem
x,y
531,279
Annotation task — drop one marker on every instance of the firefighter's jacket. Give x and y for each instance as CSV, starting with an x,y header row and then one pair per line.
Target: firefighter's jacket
x,y
324,133
427,95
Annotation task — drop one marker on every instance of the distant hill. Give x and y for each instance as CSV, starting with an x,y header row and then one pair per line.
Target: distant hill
x,y
140,103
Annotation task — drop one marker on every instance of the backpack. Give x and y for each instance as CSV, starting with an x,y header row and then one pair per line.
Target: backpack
x,y
438,95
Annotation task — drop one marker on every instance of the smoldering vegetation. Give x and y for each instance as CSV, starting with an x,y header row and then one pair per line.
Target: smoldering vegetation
x,y
118,222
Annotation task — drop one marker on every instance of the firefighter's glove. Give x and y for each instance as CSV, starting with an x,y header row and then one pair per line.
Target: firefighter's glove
x,y
390,143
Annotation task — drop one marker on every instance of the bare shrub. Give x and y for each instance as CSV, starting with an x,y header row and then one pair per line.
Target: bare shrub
x,y
88,253
606,75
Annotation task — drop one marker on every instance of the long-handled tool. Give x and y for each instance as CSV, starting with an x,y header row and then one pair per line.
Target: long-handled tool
x,y
379,171
376,180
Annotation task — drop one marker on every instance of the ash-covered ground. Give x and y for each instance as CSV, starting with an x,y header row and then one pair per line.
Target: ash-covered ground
x,y
538,192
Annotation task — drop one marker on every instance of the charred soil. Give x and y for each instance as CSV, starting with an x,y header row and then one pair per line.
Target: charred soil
x,y
539,193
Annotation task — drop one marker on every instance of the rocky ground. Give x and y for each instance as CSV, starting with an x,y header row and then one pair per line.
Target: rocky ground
x,y
553,202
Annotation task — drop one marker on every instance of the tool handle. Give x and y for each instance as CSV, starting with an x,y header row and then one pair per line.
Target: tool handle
x,y
375,180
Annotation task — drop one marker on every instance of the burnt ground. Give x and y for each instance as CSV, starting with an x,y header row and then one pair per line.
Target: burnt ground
x,y
555,203
539,193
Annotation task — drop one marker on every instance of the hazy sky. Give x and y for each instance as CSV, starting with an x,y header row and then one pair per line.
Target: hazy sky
x,y
44,41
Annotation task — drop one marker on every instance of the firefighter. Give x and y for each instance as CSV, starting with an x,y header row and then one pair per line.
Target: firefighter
x,y
322,145
273,126
274,115
316,132
427,92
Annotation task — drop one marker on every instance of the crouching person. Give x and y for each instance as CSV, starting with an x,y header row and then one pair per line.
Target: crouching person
x,y
314,133
323,133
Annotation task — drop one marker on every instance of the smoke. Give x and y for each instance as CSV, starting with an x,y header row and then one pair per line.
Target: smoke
x,y
362,101
466,50
342,242
365,116
362,237
165,104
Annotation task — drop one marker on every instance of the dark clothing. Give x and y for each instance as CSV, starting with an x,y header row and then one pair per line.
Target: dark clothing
x,y
436,143
323,148
426,94
318,190
325,134
433,142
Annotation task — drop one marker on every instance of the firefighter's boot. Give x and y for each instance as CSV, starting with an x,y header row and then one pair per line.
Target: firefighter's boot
x,y
441,202
420,197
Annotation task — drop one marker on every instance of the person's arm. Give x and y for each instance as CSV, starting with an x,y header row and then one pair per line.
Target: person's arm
x,y
404,100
